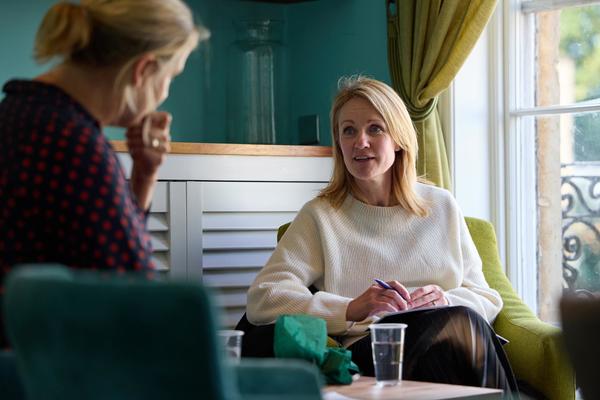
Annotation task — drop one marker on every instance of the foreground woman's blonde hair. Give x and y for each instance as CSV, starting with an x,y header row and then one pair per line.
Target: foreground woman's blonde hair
x,y
400,128
100,33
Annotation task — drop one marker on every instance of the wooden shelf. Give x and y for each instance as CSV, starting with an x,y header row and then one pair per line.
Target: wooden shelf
x,y
279,1
240,149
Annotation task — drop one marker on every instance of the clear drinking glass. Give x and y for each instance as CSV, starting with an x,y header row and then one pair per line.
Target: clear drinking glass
x,y
387,342
232,344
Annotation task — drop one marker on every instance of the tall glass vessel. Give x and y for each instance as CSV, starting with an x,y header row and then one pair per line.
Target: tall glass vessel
x,y
256,99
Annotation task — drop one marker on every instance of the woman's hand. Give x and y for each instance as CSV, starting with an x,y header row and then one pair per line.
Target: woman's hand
x,y
428,296
148,144
377,299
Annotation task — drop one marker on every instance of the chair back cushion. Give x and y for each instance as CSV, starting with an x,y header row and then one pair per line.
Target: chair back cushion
x,y
10,382
282,230
484,237
81,335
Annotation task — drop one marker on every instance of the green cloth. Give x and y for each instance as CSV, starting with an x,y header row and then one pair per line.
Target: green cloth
x,y
305,337
428,42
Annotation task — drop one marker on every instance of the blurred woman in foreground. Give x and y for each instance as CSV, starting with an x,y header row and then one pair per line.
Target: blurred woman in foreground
x,y
63,195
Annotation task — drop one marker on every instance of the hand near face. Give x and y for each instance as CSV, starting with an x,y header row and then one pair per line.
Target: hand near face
x,y
149,142
377,300
428,296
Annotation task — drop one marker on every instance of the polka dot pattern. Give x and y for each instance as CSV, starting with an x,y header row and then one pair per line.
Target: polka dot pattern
x,y
63,195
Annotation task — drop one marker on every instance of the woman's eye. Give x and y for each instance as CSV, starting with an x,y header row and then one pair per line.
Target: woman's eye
x,y
348,130
375,129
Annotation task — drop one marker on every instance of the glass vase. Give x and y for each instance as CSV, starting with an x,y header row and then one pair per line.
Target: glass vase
x,y
256,99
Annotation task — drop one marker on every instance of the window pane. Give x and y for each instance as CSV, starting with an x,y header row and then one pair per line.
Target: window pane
x,y
580,194
568,55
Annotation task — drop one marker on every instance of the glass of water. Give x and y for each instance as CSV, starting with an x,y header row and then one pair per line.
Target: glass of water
x,y
231,341
387,342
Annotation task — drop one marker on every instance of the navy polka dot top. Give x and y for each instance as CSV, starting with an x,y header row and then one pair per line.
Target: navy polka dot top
x,y
63,194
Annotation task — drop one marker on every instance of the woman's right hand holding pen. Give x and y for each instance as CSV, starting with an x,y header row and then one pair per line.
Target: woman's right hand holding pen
x,y
377,299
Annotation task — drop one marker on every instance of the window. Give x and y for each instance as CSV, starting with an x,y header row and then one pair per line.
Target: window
x,y
553,147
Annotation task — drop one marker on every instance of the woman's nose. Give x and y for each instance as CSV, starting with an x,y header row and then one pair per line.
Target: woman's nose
x,y
362,140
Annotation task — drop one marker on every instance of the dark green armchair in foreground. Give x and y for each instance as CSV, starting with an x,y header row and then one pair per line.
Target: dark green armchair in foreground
x,y
535,350
10,382
82,335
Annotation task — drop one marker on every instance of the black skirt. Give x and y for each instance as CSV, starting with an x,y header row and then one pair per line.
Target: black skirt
x,y
452,345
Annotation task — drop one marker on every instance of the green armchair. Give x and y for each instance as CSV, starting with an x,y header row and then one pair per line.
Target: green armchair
x,y
535,350
85,335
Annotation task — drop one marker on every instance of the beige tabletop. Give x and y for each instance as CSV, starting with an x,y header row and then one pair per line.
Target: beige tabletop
x,y
365,388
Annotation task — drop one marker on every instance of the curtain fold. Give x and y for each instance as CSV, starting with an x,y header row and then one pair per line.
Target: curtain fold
x,y
428,42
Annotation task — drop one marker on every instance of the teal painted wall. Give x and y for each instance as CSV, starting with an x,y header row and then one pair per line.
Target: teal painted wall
x,y
324,40
329,39
18,23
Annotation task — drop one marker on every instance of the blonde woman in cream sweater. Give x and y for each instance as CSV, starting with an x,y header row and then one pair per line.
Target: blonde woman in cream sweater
x,y
375,220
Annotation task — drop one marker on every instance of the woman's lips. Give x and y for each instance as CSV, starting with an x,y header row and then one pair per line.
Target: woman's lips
x,y
363,158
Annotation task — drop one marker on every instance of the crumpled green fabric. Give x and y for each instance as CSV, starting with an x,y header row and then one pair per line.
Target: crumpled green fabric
x,y
305,337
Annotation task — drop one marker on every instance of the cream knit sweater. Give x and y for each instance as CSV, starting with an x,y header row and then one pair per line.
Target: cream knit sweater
x,y
341,252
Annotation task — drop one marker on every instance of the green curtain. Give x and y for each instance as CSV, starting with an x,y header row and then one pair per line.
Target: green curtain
x,y
428,42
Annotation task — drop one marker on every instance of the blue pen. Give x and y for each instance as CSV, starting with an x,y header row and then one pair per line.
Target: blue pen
x,y
385,285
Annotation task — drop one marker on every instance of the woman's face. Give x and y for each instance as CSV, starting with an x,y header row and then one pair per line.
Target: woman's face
x,y
155,87
367,148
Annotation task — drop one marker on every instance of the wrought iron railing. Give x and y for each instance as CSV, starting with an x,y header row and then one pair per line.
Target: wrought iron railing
x,y
580,191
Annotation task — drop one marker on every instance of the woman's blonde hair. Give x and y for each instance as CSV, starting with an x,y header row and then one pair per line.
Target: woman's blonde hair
x,y
103,33
400,128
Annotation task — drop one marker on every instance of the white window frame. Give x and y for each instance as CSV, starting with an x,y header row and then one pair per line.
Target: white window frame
x,y
516,147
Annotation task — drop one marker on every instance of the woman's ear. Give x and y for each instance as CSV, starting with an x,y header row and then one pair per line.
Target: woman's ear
x,y
143,67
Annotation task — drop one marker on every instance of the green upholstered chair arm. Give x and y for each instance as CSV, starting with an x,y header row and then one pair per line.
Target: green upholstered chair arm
x,y
535,350
282,230
269,378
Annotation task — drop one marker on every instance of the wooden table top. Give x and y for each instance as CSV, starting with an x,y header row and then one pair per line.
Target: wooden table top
x,y
366,388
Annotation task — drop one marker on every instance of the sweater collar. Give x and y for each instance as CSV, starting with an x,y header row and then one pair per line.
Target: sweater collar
x,y
356,206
